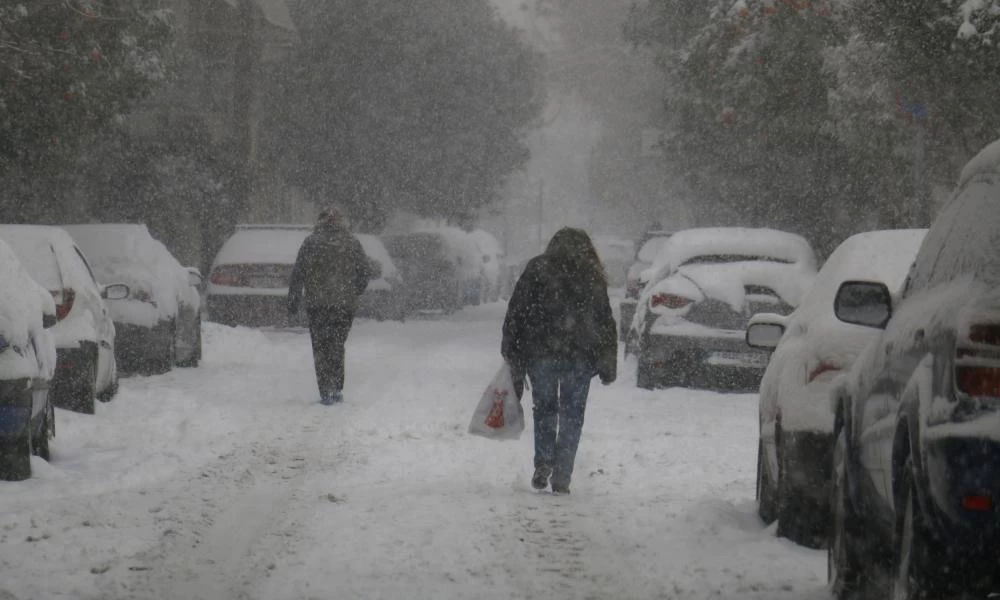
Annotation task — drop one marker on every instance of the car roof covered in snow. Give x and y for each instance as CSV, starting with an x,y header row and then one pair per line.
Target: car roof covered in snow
x,y
986,162
375,250
763,244
263,244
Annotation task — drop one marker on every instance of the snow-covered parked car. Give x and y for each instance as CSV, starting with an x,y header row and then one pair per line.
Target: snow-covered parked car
x,y
796,424
248,283
698,296
384,298
159,324
493,264
468,259
647,248
85,334
915,491
431,276
27,364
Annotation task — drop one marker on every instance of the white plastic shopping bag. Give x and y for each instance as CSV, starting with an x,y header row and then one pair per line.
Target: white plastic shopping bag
x,y
499,415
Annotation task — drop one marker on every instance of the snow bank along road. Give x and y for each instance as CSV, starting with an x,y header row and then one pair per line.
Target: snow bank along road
x,y
230,481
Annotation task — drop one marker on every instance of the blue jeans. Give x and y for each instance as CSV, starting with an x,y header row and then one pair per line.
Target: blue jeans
x,y
559,392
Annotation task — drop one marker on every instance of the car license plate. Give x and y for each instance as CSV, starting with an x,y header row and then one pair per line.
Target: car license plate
x,y
738,359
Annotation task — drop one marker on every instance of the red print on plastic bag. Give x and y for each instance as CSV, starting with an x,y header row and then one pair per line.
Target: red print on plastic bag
x,y
495,418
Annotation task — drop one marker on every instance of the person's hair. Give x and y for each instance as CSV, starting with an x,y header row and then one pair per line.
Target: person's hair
x,y
333,213
573,246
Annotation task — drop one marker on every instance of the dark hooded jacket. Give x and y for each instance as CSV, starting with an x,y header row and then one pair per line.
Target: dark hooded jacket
x,y
557,313
332,267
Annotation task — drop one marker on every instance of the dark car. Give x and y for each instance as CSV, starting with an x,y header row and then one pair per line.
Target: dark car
x,y
432,278
916,465
704,286
27,363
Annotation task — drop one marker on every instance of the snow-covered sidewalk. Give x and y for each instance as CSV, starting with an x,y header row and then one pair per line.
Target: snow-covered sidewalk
x,y
230,481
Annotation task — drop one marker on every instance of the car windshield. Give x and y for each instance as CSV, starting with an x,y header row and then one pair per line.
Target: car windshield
x,y
499,298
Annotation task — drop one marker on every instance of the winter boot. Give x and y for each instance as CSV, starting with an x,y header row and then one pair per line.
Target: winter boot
x,y
560,489
337,397
540,480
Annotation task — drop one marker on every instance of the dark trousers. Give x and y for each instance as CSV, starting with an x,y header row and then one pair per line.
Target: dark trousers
x,y
559,391
328,328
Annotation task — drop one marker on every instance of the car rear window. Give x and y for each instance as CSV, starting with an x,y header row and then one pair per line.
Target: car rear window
x,y
720,259
416,245
38,259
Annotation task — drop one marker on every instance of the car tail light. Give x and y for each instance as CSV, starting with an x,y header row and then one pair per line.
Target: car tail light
x,y
977,503
977,364
669,301
978,381
821,369
228,276
144,296
64,305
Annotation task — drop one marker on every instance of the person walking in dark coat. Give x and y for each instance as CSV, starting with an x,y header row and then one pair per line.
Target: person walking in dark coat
x,y
334,271
559,330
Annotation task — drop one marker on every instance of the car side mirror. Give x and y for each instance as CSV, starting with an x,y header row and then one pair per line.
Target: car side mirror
x,y
115,291
194,277
865,303
764,335
49,320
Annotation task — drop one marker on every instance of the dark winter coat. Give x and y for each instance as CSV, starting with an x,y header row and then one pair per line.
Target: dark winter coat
x,y
333,269
555,314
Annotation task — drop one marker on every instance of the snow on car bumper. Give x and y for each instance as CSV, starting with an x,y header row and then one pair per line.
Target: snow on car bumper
x,y
721,360
16,400
380,304
252,310
963,504
136,345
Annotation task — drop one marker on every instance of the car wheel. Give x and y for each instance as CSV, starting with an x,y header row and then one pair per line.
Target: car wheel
x,y
83,392
40,446
793,510
15,460
195,358
107,394
916,557
766,507
844,568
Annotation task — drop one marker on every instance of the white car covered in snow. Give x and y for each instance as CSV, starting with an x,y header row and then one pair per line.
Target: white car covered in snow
x,y
698,296
383,298
796,422
248,283
84,334
493,264
159,324
27,364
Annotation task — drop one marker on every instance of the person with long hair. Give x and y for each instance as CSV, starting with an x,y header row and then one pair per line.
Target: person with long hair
x,y
560,332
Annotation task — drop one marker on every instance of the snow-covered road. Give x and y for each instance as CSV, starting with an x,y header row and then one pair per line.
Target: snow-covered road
x,y
230,481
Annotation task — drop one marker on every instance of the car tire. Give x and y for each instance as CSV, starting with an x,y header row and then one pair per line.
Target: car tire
x,y
767,508
83,392
195,358
644,376
844,568
108,394
15,460
917,558
40,447
793,509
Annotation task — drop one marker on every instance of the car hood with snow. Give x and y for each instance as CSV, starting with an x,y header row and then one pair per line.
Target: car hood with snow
x,y
128,254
